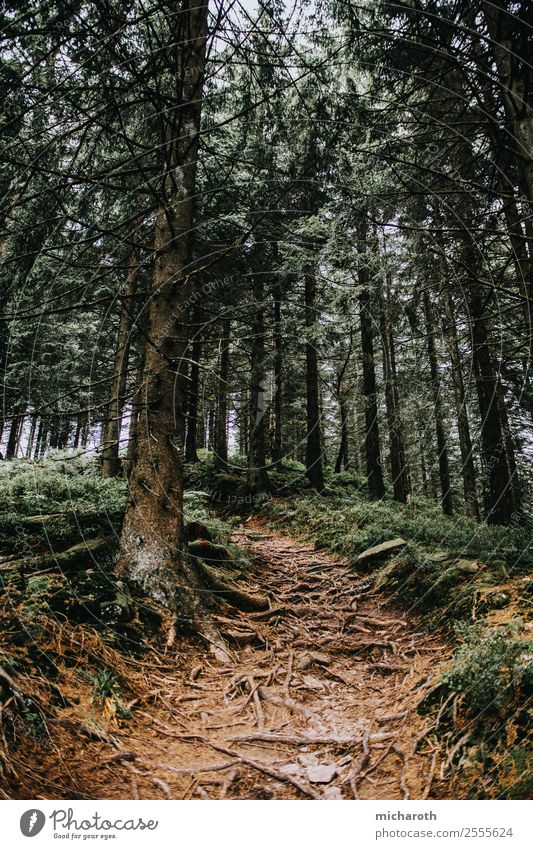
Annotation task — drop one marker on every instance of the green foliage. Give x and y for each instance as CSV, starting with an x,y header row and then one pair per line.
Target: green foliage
x,y
490,668
68,491
196,509
58,484
485,710
106,693
105,685
33,719
348,524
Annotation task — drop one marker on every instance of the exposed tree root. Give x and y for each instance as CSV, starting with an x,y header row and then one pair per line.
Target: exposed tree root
x,y
290,721
236,597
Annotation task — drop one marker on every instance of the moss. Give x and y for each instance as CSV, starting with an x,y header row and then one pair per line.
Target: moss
x,y
490,668
347,524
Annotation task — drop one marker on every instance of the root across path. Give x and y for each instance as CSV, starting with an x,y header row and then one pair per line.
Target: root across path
x,y
318,700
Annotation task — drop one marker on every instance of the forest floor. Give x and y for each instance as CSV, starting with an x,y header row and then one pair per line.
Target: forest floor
x,y
318,702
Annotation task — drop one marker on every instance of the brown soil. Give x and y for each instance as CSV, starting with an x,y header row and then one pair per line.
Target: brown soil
x,y
319,700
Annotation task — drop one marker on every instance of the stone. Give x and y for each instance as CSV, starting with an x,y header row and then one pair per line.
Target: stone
x,y
312,683
379,552
310,658
291,769
322,774
304,661
308,759
333,792
440,556
469,567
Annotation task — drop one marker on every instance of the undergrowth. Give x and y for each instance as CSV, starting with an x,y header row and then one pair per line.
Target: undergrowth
x,y
51,621
55,642
348,525
485,711
455,574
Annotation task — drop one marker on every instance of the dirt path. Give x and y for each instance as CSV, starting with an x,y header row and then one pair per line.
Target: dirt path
x,y
318,703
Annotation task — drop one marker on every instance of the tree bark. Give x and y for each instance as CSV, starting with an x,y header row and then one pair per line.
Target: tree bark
x,y
374,474
521,258
193,390
442,448
113,424
463,426
257,474
244,428
498,493
31,437
516,484
342,461
313,454
41,437
400,480
136,400
152,534
277,439
85,432
210,438
12,439
77,433
221,426
510,43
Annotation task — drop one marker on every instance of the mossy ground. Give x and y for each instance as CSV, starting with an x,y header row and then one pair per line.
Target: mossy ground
x,y
472,581
492,598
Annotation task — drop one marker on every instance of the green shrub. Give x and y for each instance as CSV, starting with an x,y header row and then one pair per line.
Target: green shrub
x,y
490,669
56,486
348,524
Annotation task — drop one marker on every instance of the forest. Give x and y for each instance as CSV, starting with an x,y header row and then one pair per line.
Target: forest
x,y
266,289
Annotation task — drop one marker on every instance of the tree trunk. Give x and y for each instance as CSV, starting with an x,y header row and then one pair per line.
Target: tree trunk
x,y
193,391
112,427
424,474
498,493
64,433
342,461
374,474
353,425
257,474
12,439
516,485
511,50
463,427
313,454
244,428
221,427
442,448
77,433
340,393
85,432
400,482
152,533
137,394
31,437
210,438
522,260
41,437
277,439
